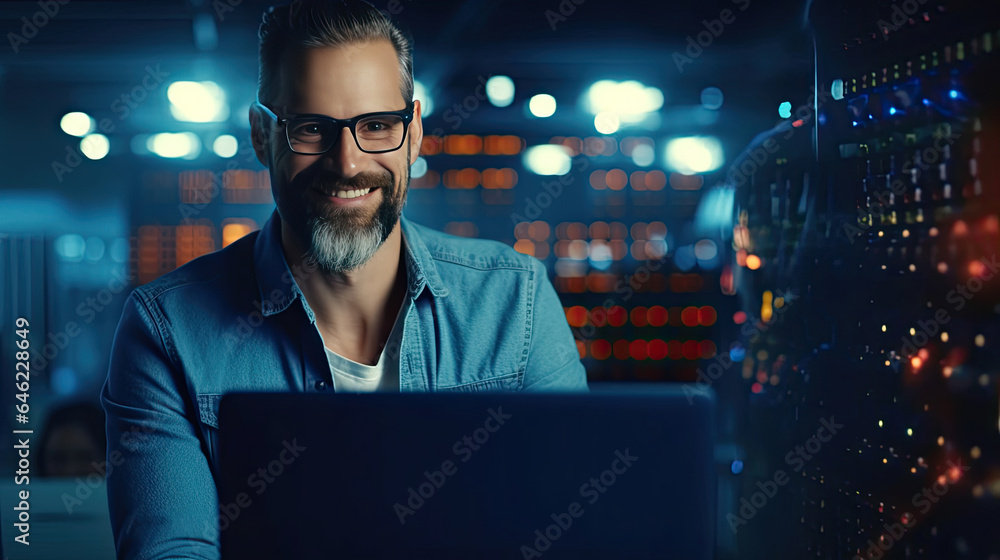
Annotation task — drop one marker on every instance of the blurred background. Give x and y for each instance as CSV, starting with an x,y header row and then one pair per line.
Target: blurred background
x,y
794,203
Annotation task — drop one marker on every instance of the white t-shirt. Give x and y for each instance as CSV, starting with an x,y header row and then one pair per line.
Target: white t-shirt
x,y
352,377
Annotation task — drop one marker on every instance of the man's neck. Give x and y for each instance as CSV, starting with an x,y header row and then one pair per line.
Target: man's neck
x,y
355,310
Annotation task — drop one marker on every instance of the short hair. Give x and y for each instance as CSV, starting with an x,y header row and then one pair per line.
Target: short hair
x,y
304,24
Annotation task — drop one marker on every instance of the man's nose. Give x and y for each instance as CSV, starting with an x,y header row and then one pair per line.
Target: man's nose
x,y
344,157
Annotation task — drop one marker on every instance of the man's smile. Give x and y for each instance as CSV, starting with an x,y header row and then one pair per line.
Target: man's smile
x,y
347,197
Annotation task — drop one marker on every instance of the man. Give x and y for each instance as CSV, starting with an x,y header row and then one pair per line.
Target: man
x,y
337,292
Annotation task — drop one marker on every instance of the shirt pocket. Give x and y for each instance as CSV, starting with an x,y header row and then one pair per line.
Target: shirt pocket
x,y
509,382
208,414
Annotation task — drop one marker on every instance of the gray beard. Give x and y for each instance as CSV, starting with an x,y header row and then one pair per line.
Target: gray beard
x,y
338,250
340,245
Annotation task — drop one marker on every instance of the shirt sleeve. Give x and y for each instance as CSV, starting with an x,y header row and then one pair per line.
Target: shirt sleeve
x,y
161,494
553,359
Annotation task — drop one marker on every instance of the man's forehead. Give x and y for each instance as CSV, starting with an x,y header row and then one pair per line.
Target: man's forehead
x,y
301,66
368,70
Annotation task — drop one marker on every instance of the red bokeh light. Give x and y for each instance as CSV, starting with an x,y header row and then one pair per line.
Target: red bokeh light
x,y
600,349
621,349
690,350
637,349
657,349
689,316
707,315
674,349
598,316
657,316
576,316
638,316
617,316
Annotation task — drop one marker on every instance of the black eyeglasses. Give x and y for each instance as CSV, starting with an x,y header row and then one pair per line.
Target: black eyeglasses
x,y
374,133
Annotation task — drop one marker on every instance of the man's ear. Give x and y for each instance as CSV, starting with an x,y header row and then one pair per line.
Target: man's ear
x,y
259,136
416,133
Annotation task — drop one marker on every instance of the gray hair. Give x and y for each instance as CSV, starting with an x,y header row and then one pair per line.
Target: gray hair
x,y
307,24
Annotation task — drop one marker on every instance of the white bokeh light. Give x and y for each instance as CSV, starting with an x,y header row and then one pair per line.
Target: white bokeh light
x,y
694,154
607,122
631,100
95,146
500,91
175,145
547,159
542,105
225,146
197,102
77,124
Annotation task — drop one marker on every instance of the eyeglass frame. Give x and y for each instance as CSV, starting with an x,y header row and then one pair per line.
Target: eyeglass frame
x,y
351,123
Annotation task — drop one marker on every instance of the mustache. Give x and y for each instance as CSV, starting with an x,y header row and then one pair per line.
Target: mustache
x,y
359,181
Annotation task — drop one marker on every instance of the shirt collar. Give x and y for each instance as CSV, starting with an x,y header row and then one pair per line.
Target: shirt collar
x,y
278,288
420,267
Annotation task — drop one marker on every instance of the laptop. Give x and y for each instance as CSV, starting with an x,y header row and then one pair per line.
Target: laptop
x,y
621,472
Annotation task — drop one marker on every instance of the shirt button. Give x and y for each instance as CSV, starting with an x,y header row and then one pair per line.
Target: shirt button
x,y
321,385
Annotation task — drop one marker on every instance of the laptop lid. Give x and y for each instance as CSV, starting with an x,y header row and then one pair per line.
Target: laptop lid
x,y
627,473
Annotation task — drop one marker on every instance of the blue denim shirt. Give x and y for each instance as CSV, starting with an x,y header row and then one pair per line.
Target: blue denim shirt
x,y
478,316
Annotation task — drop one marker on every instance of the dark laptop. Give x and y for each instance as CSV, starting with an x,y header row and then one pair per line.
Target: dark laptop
x,y
622,473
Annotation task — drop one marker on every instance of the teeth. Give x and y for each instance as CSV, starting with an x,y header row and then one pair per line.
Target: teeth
x,y
352,193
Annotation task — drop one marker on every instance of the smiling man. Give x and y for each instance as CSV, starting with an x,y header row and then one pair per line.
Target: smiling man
x,y
338,292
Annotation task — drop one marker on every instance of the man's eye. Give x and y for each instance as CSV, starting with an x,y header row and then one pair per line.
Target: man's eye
x,y
374,126
307,129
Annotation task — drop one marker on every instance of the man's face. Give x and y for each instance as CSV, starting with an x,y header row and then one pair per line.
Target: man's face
x,y
340,234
